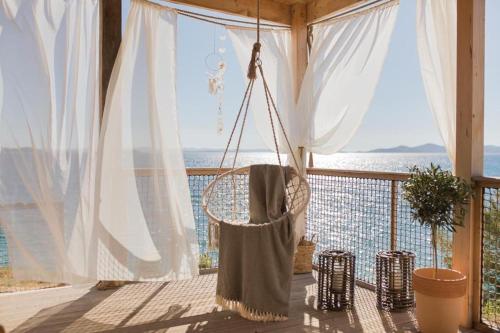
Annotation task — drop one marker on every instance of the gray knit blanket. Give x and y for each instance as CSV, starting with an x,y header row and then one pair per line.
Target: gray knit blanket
x,y
256,259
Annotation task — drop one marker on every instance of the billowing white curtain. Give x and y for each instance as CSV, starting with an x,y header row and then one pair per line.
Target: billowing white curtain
x,y
49,112
347,57
276,59
437,50
148,230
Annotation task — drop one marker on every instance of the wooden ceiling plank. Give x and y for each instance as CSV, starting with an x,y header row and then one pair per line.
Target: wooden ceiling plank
x,y
317,9
299,43
269,10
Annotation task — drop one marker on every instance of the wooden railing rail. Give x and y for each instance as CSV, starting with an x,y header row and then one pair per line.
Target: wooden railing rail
x,y
397,176
487,182
20,205
205,171
145,172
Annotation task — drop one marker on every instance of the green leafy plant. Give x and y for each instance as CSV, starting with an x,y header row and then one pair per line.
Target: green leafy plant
x,y
205,261
438,200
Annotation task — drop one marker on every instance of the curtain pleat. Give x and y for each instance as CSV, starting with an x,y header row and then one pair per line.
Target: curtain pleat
x,y
77,205
148,230
437,50
347,57
276,59
49,93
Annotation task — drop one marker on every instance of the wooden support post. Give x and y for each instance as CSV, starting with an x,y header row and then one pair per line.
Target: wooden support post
x,y
477,213
311,160
299,61
469,137
111,35
299,56
299,43
394,215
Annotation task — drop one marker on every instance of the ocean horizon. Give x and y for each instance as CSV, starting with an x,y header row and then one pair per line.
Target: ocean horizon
x,y
366,161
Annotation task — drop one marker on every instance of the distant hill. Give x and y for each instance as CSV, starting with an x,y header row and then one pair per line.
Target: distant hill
x,y
428,148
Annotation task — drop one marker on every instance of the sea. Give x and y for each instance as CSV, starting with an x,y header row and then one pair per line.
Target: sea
x,y
391,162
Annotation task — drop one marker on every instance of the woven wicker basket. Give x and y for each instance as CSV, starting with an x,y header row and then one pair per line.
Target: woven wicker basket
x,y
303,257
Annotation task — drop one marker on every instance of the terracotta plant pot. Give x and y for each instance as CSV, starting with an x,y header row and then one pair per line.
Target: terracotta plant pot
x,y
439,299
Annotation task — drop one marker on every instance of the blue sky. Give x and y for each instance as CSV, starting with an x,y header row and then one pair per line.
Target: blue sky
x,y
399,114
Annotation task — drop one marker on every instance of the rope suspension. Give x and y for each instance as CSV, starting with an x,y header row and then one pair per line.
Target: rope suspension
x,y
252,66
255,67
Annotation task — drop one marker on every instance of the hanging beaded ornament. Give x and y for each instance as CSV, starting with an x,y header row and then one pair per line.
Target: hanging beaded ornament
x,y
216,67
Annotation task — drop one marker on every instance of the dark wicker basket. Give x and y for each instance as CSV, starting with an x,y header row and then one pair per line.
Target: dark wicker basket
x,y
394,280
336,280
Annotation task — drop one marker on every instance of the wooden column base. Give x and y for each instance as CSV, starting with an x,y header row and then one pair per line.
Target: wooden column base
x,y
106,285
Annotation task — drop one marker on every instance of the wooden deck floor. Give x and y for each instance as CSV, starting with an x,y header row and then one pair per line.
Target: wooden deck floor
x,y
186,306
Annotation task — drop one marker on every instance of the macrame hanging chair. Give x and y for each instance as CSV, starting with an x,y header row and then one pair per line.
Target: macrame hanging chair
x,y
226,198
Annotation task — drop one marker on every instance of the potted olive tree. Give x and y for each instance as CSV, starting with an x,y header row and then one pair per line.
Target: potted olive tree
x,y
439,201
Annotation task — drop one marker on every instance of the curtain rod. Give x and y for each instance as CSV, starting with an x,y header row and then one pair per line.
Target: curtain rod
x,y
216,19
356,10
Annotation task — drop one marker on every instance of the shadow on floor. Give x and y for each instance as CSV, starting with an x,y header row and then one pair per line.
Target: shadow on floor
x,y
188,306
49,319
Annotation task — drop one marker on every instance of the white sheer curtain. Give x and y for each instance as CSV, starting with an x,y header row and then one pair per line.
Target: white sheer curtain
x,y
277,65
145,211
437,50
49,108
346,60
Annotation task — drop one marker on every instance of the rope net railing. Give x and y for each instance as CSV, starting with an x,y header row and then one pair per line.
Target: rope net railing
x,y
490,280
351,215
359,214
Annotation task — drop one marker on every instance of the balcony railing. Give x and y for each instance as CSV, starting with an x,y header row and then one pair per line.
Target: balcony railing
x,y
363,212
489,191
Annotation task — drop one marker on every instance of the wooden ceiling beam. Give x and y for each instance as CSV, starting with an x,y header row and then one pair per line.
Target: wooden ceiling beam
x,y
317,9
269,10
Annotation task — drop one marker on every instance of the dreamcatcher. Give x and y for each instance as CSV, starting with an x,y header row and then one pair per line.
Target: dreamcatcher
x,y
216,67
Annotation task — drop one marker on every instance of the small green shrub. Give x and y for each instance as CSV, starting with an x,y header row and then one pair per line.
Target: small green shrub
x,y
205,261
438,200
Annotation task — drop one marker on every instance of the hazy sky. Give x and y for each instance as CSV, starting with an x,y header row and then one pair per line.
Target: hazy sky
x,y
399,114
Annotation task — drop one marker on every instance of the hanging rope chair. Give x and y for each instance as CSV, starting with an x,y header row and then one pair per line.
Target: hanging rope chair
x,y
226,198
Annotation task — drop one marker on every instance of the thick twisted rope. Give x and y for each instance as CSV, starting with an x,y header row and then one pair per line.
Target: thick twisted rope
x,y
252,66
268,93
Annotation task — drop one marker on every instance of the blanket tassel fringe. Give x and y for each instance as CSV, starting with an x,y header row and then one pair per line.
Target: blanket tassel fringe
x,y
248,313
213,236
